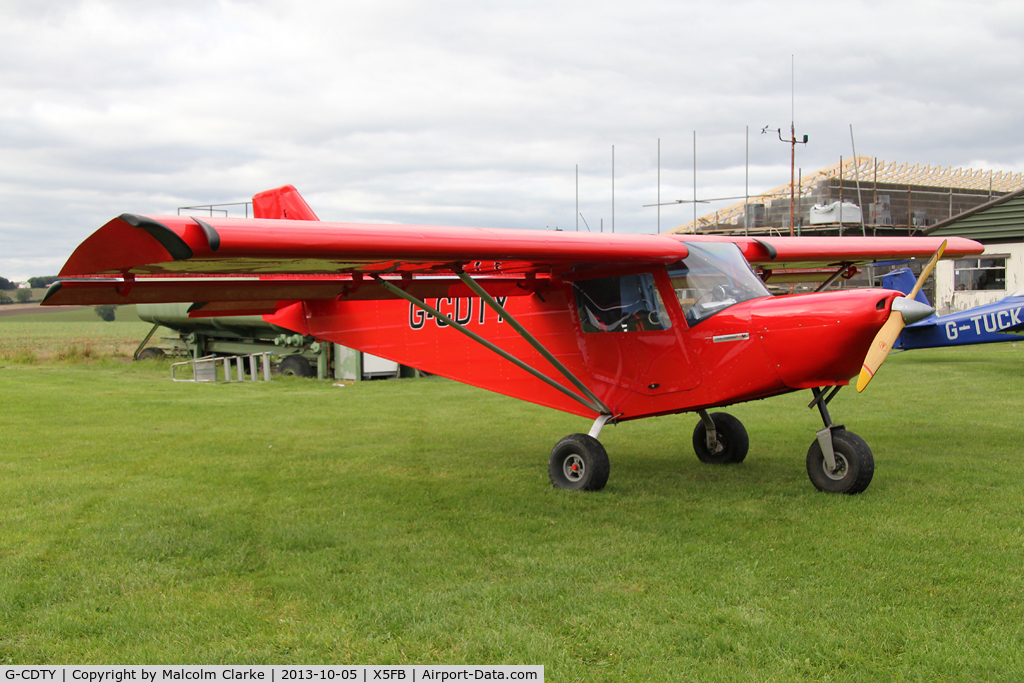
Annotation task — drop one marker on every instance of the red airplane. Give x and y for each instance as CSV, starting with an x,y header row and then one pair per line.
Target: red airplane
x,y
631,325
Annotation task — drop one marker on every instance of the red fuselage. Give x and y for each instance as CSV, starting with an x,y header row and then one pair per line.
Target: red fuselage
x,y
753,349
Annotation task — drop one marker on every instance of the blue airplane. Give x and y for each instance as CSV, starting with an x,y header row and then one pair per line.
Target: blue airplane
x,y
996,322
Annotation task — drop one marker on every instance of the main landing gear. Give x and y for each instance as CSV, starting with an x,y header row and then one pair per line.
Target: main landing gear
x,y
579,462
720,439
838,461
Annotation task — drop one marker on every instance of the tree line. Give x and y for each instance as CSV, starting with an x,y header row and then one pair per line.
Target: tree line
x,y
34,282
23,296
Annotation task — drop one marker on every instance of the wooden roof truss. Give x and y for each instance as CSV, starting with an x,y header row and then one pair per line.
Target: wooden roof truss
x,y
870,171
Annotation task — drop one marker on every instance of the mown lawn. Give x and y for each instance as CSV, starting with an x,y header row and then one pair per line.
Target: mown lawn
x,y
411,521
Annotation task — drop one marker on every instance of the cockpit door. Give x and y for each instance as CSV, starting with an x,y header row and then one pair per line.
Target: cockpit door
x,y
632,332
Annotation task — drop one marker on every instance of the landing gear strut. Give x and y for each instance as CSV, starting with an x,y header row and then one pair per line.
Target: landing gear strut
x,y
838,461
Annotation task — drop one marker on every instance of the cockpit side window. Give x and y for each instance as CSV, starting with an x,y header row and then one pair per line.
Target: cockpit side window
x,y
625,303
713,277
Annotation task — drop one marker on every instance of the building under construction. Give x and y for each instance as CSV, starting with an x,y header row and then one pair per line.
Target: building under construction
x,y
861,195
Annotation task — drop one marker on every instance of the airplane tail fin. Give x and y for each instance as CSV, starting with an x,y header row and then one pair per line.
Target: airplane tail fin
x,y
903,280
283,202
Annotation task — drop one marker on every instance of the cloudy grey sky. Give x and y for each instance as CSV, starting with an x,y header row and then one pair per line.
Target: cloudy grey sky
x,y
476,112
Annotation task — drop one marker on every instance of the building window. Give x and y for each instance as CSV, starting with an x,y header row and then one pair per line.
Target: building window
x,y
974,274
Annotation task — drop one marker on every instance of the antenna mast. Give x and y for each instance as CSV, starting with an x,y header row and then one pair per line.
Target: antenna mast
x,y
793,143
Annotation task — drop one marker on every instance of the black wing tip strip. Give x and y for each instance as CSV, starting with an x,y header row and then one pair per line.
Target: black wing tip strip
x,y
197,305
168,239
772,253
51,290
212,236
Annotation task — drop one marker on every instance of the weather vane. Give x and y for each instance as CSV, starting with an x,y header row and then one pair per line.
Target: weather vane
x,y
793,142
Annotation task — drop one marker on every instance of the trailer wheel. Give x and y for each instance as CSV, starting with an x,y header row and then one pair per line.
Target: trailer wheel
x,y
151,353
295,366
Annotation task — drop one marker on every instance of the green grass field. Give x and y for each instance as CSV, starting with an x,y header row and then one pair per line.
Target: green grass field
x,y
69,335
411,521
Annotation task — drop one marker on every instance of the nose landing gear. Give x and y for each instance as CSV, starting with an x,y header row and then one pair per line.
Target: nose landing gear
x,y
838,461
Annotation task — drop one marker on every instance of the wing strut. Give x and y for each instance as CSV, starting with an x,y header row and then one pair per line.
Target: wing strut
x,y
591,402
531,340
843,267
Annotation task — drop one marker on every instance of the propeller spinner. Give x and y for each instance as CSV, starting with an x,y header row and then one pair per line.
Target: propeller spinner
x,y
905,311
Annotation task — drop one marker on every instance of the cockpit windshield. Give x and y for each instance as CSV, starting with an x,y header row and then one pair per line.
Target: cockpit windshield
x,y
713,277
1019,292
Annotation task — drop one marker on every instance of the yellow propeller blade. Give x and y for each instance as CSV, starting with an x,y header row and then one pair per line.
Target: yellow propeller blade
x,y
894,324
880,347
927,270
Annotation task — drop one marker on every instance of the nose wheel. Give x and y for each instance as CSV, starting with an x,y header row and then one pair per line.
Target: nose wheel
x,y
838,461
853,467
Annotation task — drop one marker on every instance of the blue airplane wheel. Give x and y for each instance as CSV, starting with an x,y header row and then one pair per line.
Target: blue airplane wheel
x,y
579,463
855,464
732,439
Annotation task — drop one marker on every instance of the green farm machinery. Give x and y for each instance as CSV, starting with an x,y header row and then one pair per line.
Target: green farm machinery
x,y
244,335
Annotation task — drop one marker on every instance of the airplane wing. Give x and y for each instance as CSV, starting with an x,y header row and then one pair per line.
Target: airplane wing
x,y
152,259
263,261
802,252
815,259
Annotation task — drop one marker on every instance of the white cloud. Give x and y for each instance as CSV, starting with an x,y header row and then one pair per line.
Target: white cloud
x,y
474,112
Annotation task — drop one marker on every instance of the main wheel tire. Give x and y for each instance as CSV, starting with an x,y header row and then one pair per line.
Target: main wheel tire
x,y
732,436
295,366
579,463
855,464
151,353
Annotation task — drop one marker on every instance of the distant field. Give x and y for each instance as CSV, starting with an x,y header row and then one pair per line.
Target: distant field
x,y
37,313
47,336
37,295
412,521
